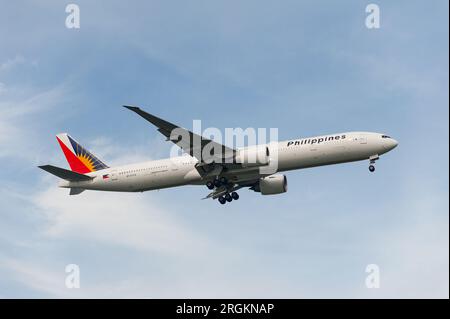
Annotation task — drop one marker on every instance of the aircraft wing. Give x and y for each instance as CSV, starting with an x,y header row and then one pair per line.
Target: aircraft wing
x,y
205,150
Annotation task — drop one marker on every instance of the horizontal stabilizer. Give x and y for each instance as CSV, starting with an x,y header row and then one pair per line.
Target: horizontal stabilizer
x,y
65,174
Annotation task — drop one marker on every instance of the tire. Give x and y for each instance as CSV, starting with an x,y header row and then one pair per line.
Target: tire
x,y
235,195
210,185
222,200
228,198
372,168
217,183
223,180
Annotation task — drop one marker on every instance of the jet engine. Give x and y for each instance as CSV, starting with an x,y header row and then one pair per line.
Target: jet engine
x,y
270,185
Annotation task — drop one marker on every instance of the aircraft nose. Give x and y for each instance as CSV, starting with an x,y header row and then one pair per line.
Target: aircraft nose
x,y
394,143
391,144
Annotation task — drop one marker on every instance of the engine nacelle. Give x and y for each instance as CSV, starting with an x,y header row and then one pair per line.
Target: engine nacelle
x,y
273,184
253,156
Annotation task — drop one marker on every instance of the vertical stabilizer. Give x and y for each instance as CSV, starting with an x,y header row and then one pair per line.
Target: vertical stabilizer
x,y
80,160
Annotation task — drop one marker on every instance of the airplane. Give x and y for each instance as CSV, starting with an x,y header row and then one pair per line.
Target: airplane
x,y
223,170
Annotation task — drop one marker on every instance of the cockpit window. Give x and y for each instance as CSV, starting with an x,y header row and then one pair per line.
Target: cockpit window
x,y
385,136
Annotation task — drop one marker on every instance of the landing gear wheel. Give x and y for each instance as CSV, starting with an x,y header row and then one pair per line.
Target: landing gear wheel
x,y
222,200
217,183
210,185
223,180
235,195
228,198
372,168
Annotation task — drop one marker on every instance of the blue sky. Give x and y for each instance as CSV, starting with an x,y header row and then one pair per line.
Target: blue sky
x,y
305,67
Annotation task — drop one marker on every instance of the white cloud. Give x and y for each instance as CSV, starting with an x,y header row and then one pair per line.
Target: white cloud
x,y
17,135
418,252
49,281
133,220
412,250
33,277
11,63
114,154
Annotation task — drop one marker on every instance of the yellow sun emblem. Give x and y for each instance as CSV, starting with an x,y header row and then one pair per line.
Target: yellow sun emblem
x,y
87,161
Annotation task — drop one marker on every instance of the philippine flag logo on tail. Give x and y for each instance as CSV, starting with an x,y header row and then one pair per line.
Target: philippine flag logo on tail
x,y
80,160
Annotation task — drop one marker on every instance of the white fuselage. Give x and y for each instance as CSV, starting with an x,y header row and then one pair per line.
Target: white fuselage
x,y
292,154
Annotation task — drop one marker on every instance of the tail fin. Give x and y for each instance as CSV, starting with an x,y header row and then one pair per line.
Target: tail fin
x,y
79,159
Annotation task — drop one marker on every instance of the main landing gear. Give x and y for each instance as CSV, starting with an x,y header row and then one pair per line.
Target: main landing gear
x,y
222,181
217,182
228,197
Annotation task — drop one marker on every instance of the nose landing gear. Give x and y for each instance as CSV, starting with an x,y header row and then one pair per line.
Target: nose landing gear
x,y
372,160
